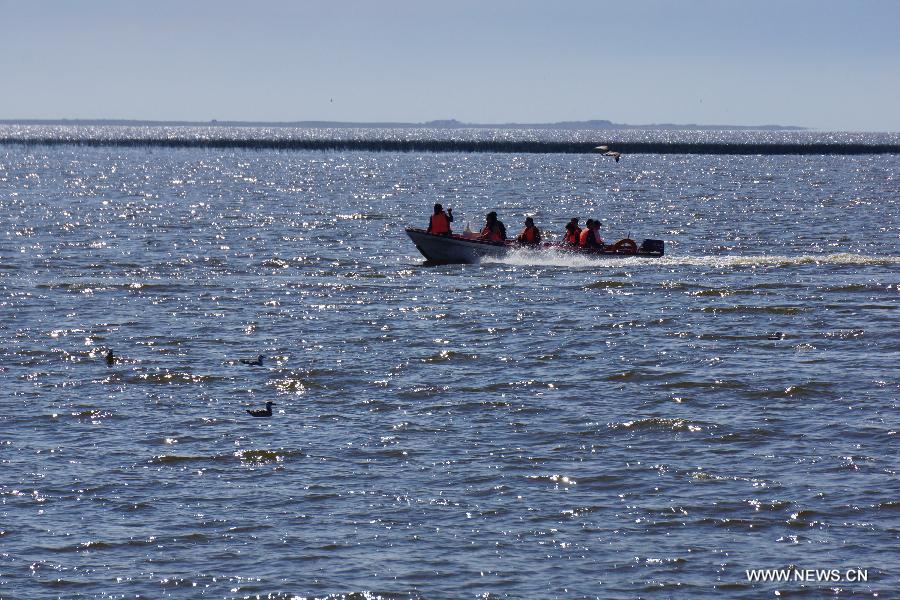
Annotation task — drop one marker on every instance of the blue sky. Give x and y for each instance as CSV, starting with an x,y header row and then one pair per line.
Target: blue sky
x,y
825,64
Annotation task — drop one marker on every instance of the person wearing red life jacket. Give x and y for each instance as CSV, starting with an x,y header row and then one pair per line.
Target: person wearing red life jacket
x,y
439,223
585,233
531,235
494,230
590,236
570,238
573,232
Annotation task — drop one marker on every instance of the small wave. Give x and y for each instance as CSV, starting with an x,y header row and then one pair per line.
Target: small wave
x,y
856,287
83,547
717,384
755,435
554,478
266,456
662,423
729,522
509,385
246,456
845,334
721,292
65,583
276,263
171,459
770,505
803,518
422,391
809,390
170,377
750,309
707,476
92,414
448,355
294,384
601,285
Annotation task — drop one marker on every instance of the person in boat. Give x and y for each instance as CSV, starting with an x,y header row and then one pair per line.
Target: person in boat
x,y
597,238
439,223
590,236
573,231
494,230
574,222
583,234
531,235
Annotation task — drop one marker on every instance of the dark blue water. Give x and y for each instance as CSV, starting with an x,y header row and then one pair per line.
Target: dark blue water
x,y
541,426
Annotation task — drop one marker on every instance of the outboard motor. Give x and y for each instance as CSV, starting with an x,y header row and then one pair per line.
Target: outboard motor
x,y
653,246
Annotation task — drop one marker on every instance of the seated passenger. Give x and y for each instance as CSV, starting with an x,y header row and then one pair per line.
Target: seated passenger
x,y
439,222
584,233
573,231
597,239
590,237
574,222
493,230
531,235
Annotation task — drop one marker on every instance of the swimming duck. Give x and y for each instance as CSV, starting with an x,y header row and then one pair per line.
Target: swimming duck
x,y
262,413
256,363
110,358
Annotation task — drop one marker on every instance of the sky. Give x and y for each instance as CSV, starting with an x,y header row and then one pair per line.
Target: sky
x,y
823,64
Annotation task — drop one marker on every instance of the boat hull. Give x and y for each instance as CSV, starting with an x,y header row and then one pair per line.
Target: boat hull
x,y
460,249
454,248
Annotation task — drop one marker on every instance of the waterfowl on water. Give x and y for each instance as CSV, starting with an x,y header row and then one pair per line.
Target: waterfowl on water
x,y
262,413
607,152
110,357
257,362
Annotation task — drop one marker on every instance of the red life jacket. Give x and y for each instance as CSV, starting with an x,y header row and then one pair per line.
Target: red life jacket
x,y
439,223
491,234
529,235
583,237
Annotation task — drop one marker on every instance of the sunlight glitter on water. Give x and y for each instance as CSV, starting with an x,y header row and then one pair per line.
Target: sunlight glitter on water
x,y
538,426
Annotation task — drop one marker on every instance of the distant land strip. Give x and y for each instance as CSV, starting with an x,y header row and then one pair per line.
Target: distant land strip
x,y
436,124
506,146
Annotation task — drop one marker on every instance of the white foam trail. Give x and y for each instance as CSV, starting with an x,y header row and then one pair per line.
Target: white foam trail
x,y
554,258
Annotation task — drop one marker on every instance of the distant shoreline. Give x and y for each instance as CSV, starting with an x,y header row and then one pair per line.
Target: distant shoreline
x,y
438,124
511,146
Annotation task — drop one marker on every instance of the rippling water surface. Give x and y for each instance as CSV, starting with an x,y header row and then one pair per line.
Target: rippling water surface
x,y
540,426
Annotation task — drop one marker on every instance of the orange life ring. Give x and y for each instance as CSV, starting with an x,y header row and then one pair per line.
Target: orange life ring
x,y
625,246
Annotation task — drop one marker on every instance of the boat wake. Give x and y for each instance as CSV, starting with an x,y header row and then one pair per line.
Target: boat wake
x,y
554,258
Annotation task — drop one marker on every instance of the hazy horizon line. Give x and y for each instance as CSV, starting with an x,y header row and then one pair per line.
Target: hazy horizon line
x,y
435,123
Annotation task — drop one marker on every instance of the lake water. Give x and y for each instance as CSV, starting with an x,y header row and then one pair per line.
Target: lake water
x,y
535,427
